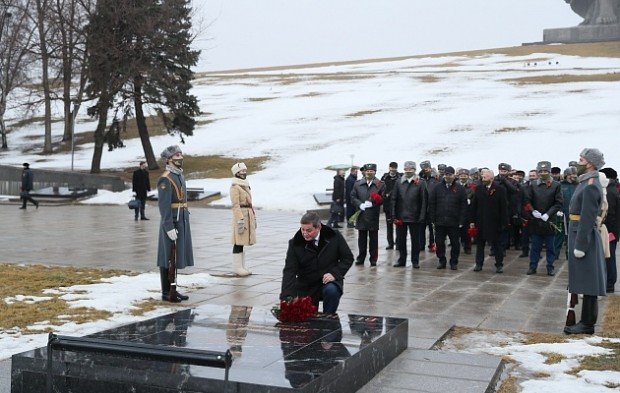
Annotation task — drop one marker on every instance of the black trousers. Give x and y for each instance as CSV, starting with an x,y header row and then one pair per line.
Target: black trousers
x,y
362,245
441,232
525,240
25,197
465,239
497,247
431,235
141,209
401,242
389,228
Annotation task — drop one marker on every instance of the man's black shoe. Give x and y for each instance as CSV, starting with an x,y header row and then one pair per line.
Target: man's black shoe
x,y
531,271
36,204
359,262
135,218
144,218
390,247
453,267
23,207
477,268
398,265
373,263
441,265
611,290
499,269
523,255
166,298
416,266
550,271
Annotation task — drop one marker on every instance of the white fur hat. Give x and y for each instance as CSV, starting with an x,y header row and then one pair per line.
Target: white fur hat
x,y
238,167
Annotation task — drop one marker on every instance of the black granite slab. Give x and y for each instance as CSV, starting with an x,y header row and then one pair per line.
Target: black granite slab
x,y
323,354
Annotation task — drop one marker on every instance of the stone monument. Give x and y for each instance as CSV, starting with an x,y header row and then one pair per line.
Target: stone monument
x,y
601,22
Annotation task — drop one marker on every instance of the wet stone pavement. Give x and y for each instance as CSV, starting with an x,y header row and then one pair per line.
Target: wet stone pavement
x,y
433,300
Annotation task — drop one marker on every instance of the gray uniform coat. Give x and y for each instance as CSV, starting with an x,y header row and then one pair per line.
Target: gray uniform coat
x,y
369,218
173,218
586,275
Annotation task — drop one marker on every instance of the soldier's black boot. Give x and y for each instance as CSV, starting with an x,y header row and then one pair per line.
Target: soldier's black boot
x,y
165,286
589,315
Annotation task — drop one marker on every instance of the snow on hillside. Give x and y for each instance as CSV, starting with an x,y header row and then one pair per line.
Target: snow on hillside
x,y
461,111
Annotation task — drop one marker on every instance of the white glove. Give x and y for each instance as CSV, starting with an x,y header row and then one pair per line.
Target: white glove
x,y
560,214
368,204
544,217
240,227
579,253
363,206
536,214
172,234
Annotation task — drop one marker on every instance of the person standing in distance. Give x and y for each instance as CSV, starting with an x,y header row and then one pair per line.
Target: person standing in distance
x,y
141,185
27,180
174,226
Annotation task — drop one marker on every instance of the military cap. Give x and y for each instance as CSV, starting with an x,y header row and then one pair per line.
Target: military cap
x,y
504,166
425,164
370,167
462,171
571,170
170,151
355,167
449,170
409,165
441,167
473,171
26,165
593,156
543,166
556,170
520,172
573,163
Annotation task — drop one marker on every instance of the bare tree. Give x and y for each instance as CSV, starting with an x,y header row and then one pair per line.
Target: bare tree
x,y
16,58
42,9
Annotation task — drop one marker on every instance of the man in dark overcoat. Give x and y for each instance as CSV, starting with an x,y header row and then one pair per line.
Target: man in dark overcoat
x,y
317,260
368,221
389,179
586,258
337,206
27,185
612,222
543,200
408,205
489,215
141,185
430,181
174,227
447,209
348,188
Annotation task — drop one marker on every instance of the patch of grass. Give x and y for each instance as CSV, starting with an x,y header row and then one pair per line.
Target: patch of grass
x,y
509,385
609,362
363,113
509,129
428,78
541,374
553,358
612,385
147,306
611,320
32,280
310,94
544,338
462,129
434,152
565,78
595,49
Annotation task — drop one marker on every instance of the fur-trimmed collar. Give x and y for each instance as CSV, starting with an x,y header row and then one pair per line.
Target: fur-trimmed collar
x,y
415,179
241,182
327,234
588,176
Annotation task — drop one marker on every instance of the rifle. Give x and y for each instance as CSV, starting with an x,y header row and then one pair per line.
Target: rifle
x,y
172,273
572,301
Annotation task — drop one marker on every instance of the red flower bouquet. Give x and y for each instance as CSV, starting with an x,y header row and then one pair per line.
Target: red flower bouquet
x,y
294,309
375,198
398,222
472,233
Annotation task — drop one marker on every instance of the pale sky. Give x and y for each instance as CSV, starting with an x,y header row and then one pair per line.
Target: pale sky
x,y
259,33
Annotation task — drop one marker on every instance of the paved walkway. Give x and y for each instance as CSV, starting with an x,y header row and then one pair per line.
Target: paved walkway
x,y
433,300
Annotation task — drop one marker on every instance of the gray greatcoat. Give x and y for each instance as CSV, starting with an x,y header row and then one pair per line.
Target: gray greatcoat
x,y
586,275
369,218
177,217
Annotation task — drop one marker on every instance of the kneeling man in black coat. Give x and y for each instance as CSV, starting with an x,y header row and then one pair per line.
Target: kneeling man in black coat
x,y
317,260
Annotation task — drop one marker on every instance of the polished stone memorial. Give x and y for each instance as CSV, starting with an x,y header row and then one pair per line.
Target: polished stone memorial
x,y
323,354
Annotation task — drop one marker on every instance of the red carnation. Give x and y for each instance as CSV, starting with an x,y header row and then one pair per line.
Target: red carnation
x,y
375,198
295,310
398,222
